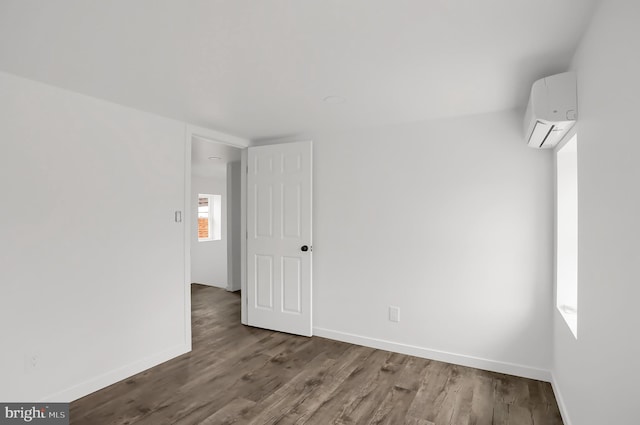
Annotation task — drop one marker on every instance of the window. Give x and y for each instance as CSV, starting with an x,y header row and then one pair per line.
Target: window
x,y
567,233
209,217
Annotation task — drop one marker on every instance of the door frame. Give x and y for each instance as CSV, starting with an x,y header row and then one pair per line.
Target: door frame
x,y
225,139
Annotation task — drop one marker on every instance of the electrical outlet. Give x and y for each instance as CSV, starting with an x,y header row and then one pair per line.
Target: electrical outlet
x,y
31,362
394,314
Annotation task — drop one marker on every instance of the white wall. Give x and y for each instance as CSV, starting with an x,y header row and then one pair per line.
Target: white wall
x,y
209,258
452,222
92,261
597,375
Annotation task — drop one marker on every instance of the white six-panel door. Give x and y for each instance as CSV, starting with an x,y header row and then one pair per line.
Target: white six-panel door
x,y
279,237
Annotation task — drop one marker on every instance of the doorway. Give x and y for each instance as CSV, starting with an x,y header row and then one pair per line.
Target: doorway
x,y
215,214
214,144
280,194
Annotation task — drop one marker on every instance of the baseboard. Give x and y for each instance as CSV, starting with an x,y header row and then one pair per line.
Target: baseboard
x,y
561,405
443,356
213,285
85,388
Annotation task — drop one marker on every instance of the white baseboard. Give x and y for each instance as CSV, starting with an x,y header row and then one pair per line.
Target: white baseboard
x,y
85,388
442,356
214,285
561,405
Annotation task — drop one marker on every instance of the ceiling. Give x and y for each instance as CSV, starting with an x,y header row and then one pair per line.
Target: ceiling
x,y
210,159
261,68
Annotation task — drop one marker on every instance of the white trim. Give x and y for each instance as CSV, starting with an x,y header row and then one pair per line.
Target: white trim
x,y
561,404
186,223
443,356
213,285
243,237
94,384
230,224
216,136
554,383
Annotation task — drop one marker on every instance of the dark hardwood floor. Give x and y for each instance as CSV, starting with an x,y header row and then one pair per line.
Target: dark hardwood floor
x,y
242,375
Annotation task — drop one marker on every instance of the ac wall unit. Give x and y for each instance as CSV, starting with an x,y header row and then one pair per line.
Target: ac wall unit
x,y
552,110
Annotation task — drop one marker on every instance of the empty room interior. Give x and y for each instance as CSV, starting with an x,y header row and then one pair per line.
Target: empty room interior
x,y
418,212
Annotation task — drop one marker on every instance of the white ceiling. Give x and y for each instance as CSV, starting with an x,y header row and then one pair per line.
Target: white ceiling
x,y
211,158
260,68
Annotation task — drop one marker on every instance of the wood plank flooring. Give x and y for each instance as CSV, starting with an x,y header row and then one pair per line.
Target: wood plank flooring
x,y
241,375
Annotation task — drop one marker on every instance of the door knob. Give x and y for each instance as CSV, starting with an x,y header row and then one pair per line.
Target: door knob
x,y
304,248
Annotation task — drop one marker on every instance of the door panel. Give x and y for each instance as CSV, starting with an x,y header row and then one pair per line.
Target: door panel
x,y
264,281
291,199
264,211
279,223
291,279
